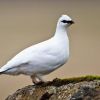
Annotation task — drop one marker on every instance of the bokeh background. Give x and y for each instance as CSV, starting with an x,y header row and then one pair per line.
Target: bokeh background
x,y
24,23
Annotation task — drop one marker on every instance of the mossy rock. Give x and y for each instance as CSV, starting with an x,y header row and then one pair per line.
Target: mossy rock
x,y
79,88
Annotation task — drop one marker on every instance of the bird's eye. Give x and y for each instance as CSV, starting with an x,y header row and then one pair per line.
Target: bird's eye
x,y
64,21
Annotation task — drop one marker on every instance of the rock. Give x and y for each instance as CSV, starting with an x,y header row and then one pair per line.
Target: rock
x,y
84,88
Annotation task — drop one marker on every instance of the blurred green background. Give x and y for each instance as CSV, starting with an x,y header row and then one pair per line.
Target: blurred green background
x,y
24,23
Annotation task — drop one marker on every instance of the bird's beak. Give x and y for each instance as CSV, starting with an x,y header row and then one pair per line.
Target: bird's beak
x,y
70,22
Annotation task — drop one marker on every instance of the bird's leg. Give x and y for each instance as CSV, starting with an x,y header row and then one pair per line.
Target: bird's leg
x,y
36,79
40,78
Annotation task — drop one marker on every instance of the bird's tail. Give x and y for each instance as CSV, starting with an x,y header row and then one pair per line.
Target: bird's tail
x,y
1,71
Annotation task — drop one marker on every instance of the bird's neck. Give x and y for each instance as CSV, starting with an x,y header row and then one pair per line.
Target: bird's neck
x,y
61,31
61,38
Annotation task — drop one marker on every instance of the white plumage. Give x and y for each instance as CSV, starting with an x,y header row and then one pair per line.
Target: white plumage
x,y
44,57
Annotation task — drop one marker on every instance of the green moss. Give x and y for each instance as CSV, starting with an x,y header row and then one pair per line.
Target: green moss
x,y
82,78
59,82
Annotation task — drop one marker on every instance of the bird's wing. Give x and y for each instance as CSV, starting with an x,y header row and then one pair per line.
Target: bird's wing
x,y
27,55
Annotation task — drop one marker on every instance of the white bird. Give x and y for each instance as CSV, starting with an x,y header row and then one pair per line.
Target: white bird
x,y
42,58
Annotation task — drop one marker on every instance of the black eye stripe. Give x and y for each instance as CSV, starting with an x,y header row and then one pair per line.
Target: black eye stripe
x,y
64,21
69,22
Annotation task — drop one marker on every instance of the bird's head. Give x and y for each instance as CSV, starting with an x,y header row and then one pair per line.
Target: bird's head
x,y
65,20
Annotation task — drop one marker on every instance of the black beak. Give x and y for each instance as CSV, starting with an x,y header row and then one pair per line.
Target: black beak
x,y
70,22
